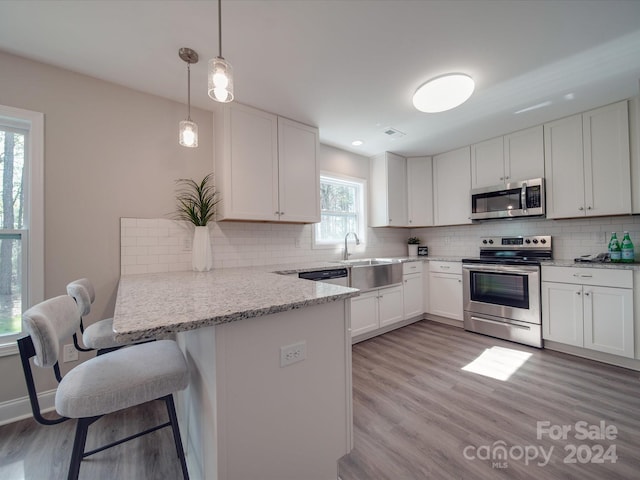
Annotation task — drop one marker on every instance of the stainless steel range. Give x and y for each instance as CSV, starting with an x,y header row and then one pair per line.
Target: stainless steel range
x,y
501,288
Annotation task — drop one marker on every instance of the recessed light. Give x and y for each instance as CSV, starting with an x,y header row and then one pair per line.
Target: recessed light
x,y
357,143
443,93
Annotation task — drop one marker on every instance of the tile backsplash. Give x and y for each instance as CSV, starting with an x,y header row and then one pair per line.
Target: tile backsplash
x,y
571,237
162,245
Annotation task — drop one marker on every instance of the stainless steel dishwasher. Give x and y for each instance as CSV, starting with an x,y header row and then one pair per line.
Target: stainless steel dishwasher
x,y
337,276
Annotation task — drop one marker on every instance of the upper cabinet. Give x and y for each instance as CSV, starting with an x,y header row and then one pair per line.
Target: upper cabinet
x,y
451,187
587,163
266,167
388,191
419,192
514,157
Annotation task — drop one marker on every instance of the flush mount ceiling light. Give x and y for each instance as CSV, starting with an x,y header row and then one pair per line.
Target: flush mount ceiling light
x,y
443,93
188,130
220,71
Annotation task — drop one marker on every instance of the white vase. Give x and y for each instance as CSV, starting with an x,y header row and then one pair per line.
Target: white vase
x,y
201,250
413,250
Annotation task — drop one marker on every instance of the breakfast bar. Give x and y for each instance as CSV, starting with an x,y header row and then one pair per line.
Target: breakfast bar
x,y
270,368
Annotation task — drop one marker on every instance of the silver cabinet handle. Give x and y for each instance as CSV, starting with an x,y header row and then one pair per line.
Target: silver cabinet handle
x,y
445,267
578,293
581,208
588,208
586,294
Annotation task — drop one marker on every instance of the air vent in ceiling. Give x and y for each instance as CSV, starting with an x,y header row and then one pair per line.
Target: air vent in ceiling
x,y
393,133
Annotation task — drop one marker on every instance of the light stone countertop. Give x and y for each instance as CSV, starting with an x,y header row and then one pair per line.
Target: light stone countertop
x,y
157,304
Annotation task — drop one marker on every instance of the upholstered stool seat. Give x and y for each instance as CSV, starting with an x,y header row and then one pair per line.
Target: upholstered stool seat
x,y
122,379
99,335
101,385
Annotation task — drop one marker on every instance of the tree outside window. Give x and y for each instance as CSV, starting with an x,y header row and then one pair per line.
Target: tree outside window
x,y
12,176
341,209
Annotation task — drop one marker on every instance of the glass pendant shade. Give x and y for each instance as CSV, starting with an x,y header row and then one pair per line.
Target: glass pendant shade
x,y
188,133
220,80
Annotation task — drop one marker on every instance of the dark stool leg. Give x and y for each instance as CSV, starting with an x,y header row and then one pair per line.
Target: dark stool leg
x,y
173,418
78,446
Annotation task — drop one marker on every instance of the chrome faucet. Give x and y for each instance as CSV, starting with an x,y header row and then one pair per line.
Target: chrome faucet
x,y
346,250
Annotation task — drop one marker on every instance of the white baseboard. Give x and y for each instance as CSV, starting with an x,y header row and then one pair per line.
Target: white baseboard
x,y
20,408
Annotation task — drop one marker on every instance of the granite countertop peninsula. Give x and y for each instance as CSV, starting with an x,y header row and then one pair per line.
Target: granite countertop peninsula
x,y
151,305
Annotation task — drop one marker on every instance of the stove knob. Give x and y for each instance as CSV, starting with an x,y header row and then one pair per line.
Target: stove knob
x,y
543,241
527,241
484,241
535,240
490,241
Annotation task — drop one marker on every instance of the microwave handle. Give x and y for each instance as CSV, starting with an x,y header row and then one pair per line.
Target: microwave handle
x,y
523,197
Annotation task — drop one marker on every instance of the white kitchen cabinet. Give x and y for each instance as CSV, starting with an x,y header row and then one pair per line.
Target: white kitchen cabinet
x,y
266,167
587,165
413,289
524,154
364,313
420,191
388,192
514,157
375,309
487,163
590,308
451,187
445,289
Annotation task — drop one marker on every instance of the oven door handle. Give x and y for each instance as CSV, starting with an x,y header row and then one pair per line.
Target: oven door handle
x,y
501,268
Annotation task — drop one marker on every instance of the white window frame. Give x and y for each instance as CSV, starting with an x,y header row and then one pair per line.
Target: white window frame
x,y
362,219
33,232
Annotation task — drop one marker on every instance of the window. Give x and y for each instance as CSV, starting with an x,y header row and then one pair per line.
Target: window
x,y
341,209
21,220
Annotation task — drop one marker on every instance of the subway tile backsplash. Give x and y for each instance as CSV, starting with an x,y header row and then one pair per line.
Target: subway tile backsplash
x,y
162,245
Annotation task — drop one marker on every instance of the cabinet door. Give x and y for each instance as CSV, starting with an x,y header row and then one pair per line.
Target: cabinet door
x,y
364,313
299,177
390,305
608,320
451,187
562,313
564,168
413,301
607,171
524,154
445,295
419,192
397,190
487,163
249,165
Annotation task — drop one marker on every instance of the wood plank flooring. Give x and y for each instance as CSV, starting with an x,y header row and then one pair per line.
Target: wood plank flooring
x,y
415,413
30,451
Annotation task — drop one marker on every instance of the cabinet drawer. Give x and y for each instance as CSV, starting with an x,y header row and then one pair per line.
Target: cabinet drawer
x,y
445,267
589,276
411,267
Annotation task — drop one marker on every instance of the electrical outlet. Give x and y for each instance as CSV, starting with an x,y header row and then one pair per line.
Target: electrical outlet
x,y
69,353
293,353
187,244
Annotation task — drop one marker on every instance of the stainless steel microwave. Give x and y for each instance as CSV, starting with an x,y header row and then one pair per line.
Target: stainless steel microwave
x,y
515,199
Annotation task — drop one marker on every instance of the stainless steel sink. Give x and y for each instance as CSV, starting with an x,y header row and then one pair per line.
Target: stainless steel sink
x,y
370,273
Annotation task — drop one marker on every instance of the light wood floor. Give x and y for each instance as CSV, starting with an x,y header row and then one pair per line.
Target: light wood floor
x,y
415,413
416,410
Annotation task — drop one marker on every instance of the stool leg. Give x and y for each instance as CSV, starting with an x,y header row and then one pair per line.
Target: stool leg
x,y
173,418
82,428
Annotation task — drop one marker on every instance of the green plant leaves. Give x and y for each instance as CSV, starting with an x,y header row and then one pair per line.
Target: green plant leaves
x,y
196,202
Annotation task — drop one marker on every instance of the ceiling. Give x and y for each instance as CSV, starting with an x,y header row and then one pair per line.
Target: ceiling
x,y
350,67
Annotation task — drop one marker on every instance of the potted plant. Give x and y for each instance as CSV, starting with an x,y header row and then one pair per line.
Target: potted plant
x,y
412,244
196,204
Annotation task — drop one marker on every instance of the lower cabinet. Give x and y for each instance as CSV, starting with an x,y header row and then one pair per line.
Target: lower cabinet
x,y
375,309
413,289
589,307
445,289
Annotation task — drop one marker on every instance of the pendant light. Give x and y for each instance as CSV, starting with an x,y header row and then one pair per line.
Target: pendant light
x,y
188,136
220,71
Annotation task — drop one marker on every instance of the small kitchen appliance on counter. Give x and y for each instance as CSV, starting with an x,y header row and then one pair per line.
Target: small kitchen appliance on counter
x,y
501,288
